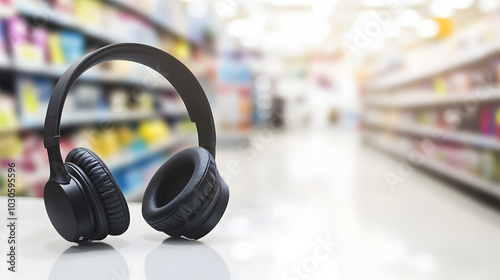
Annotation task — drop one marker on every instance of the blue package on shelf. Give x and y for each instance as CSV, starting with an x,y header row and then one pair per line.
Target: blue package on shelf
x,y
3,45
73,46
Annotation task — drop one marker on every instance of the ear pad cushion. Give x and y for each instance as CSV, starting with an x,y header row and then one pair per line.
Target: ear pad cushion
x,y
112,197
180,190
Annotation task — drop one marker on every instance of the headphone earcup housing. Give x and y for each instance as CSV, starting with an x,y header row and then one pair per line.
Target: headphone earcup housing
x,y
68,209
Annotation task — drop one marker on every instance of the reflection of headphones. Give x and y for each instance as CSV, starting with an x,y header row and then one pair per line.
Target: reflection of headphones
x,y
186,197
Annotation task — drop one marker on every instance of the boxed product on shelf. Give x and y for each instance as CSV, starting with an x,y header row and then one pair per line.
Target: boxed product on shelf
x,y
65,47
487,165
72,45
19,39
487,121
55,47
87,98
152,131
118,101
471,159
142,101
39,38
64,7
125,136
8,117
106,143
439,85
3,45
33,96
89,13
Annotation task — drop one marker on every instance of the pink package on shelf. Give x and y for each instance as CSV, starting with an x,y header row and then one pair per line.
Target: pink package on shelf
x,y
40,40
17,36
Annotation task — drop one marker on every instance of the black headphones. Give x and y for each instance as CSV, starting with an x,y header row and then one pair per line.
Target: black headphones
x,y
186,196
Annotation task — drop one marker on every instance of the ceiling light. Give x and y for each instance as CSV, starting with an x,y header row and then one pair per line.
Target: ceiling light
x,y
197,10
374,3
392,31
246,27
428,28
249,42
409,18
303,27
289,3
462,4
324,8
488,6
441,8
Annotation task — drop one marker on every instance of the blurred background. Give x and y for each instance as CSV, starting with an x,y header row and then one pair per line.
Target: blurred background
x,y
401,73
416,78
365,112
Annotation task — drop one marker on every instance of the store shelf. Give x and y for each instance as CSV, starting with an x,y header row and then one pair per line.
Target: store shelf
x,y
453,173
43,13
431,100
93,76
91,117
405,77
466,138
121,4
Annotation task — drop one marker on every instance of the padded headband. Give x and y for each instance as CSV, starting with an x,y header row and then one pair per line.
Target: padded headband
x,y
169,67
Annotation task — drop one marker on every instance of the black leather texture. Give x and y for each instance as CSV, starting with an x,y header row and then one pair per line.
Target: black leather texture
x,y
109,191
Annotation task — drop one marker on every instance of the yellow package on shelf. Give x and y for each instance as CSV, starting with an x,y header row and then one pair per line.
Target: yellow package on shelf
x,y
125,135
29,99
153,130
10,146
89,12
182,49
106,144
55,48
8,118
439,86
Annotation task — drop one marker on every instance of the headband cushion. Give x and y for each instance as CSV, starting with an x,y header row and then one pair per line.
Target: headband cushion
x,y
112,197
180,190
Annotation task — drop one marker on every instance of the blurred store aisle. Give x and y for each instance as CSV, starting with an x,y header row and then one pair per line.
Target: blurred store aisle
x,y
308,205
423,229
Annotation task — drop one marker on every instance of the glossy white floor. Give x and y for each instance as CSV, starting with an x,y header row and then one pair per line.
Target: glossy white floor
x,y
304,205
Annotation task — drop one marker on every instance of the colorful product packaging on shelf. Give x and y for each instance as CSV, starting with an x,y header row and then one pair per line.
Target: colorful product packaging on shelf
x,y
18,37
89,13
471,159
125,136
496,118
8,118
72,45
88,98
40,38
496,168
106,144
33,95
486,121
3,45
55,47
440,86
487,165
152,131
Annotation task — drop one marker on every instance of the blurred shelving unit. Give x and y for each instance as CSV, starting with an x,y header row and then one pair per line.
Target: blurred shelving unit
x,y
118,109
440,102
440,168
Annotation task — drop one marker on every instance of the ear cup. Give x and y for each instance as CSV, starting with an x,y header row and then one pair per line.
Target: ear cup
x,y
110,193
183,194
